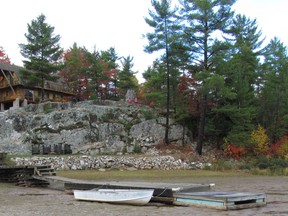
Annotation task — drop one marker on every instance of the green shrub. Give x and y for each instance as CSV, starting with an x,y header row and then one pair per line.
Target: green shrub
x,y
223,164
93,97
148,114
47,108
137,148
268,163
108,117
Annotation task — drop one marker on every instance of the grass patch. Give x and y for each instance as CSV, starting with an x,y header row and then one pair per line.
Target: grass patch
x,y
8,160
142,175
270,172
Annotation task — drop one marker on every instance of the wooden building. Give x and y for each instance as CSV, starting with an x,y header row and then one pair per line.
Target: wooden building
x,y
15,92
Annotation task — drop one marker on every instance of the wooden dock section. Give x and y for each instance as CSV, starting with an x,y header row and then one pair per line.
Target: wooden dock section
x,y
23,175
221,200
201,195
163,192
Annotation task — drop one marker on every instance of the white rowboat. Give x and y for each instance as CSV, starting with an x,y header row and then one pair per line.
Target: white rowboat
x,y
119,196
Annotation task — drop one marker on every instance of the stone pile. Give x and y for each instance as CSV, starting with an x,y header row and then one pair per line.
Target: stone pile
x,y
109,162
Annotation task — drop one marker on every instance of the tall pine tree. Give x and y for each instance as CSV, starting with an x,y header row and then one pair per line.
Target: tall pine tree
x,y
203,19
273,104
243,77
165,24
42,52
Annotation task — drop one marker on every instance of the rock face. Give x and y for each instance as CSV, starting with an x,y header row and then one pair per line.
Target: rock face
x,y
87,127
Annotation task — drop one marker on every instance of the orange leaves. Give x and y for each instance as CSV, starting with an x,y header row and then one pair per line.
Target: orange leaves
x,y
280,148
234,151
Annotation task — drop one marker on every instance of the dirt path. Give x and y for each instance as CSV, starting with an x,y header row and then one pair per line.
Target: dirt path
x,y
22,201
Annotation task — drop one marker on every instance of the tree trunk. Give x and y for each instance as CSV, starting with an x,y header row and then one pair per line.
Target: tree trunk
x,y
201,127
42,88
166,139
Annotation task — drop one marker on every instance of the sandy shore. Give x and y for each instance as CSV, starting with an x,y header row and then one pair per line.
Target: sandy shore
x,y
15,200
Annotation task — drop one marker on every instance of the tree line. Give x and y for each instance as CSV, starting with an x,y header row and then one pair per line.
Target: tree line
x,y
215,76
88,74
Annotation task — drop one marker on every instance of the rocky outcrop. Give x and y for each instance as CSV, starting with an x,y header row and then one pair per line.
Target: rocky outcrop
x,y
87,127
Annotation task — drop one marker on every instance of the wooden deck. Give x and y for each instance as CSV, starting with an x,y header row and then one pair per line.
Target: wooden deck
x,y
23,175
221,200
163,192
201,195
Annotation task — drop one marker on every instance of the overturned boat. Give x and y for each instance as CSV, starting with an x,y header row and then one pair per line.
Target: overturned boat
x,y
117,196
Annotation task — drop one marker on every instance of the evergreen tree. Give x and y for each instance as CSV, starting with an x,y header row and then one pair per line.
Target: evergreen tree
x,y
42,51
154,84
95,72
165,23
126,77
202,19
108,61
273,104
239,65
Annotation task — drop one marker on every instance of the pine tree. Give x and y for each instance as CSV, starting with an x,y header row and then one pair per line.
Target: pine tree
x,y
153,86
108,61
165,23
42,51
126,77
239,65
273,94
203,18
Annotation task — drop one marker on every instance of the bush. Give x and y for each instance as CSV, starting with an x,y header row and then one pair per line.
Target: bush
x,y
148,114
137,148
267,163
280,148
223,164
234,151
260,140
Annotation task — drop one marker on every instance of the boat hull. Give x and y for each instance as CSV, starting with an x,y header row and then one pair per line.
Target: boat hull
x,y
117,196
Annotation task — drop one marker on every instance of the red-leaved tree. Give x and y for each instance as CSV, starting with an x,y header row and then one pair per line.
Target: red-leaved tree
x,y
74,72
189,95
4,57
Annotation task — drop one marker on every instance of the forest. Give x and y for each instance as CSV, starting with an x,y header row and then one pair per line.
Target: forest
x,y
215,75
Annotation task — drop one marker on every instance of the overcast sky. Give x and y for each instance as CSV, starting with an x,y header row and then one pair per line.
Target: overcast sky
x,y
114,23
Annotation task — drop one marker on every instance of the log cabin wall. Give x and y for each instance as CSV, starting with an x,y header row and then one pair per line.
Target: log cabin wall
x,y
14,93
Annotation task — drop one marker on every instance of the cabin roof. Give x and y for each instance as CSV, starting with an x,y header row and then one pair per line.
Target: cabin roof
x,y
59,85
10,67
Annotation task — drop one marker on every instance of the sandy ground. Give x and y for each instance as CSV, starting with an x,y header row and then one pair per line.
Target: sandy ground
x,y
15,200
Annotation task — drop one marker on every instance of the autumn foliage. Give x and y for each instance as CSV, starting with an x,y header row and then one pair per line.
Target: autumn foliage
x,y
280,148
233,151
260,146
188,94
88,74
4,57
260,141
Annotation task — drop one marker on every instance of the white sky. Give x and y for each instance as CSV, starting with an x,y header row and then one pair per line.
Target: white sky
x,y
114,23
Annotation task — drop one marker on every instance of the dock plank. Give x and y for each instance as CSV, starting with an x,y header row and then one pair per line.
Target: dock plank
x,y
221,200
160,189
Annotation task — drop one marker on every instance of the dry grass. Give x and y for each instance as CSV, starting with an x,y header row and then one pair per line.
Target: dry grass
x,y
152,175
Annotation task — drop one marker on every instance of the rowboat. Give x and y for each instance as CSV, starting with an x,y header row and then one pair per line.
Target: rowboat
x,y
118,196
